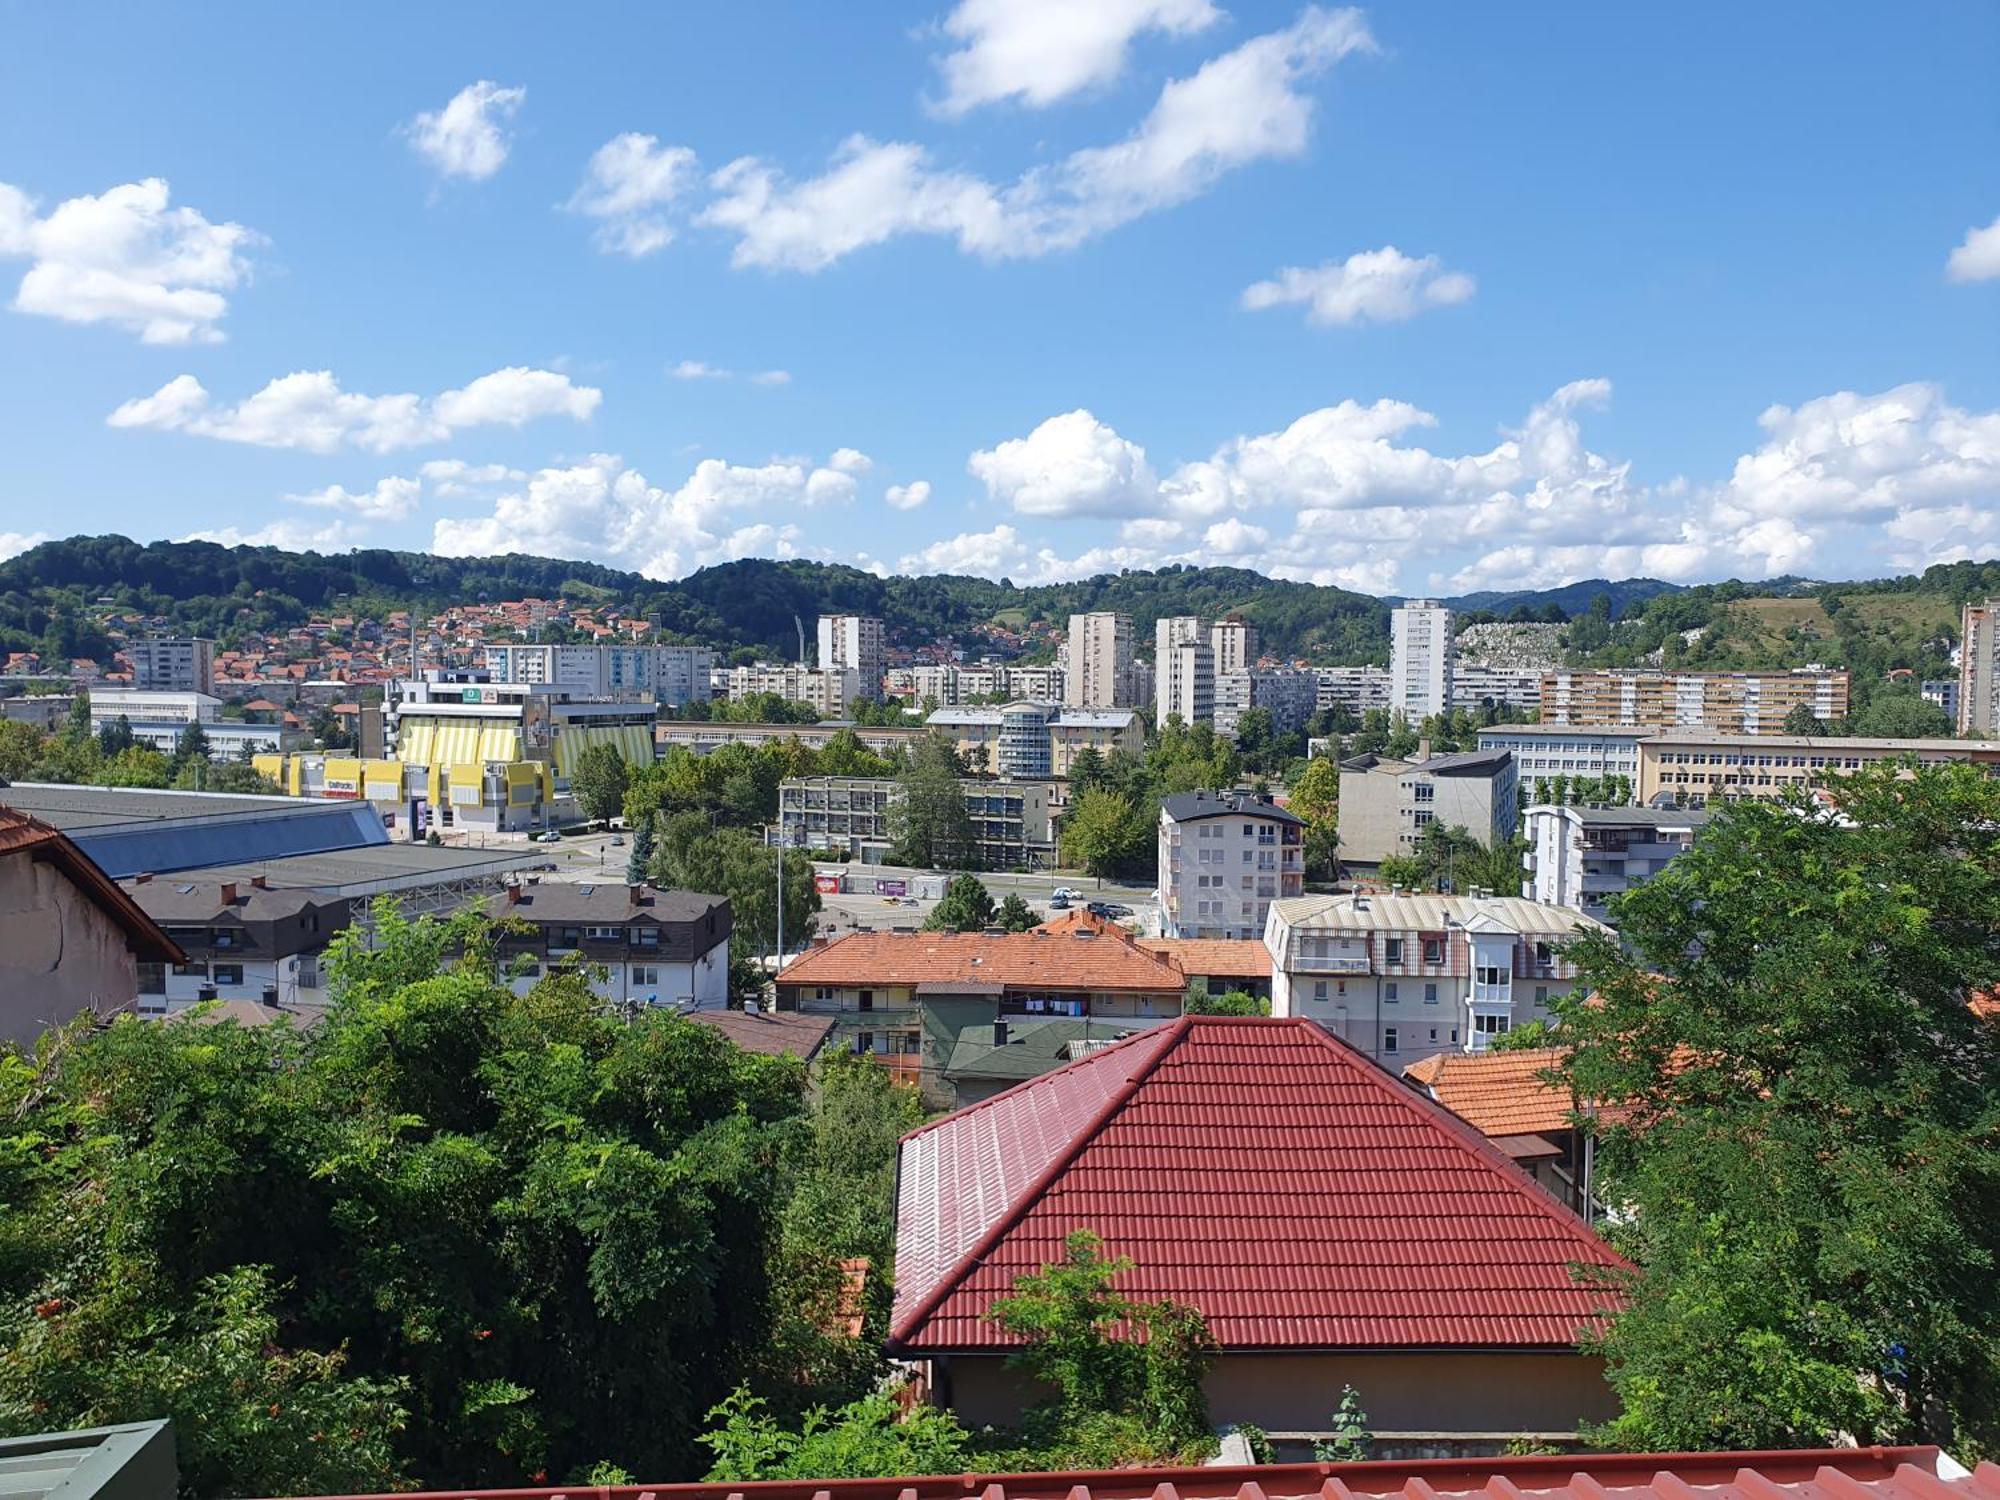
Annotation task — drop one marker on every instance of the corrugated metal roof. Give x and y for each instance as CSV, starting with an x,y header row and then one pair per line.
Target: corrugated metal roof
x,y
1259,1170
1812,1474
1421,913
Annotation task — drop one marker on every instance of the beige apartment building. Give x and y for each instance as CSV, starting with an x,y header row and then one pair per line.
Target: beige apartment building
x,y
1693,768
1979,669
1100,661
1726,702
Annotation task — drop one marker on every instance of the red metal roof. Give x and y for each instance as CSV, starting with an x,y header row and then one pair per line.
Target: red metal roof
x,y
1257,1169
1813,1474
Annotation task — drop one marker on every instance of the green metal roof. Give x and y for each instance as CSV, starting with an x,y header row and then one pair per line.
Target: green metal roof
x,y
130,1462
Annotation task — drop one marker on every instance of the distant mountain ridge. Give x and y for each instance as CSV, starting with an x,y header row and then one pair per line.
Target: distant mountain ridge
x,y
751,604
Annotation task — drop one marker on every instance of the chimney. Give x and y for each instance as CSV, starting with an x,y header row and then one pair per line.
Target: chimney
x,y
513,895
1424,748
260,882
999,1033
228,893
635,892
142,877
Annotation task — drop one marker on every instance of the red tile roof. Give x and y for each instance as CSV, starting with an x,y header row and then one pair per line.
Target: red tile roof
x,y
1233,958
1038,959
21,834
1810,1474
1260,1170
768,1032
1497,1093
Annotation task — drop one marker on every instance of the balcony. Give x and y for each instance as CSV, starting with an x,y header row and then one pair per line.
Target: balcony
x,y
1332,963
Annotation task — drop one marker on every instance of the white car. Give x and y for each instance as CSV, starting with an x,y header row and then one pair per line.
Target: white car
x,y
1065,893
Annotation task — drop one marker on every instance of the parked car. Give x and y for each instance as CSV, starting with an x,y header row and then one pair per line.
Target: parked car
x,y
1067,893
1058,902
616,842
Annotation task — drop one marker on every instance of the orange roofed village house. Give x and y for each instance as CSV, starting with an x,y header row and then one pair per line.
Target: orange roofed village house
x,y
1334,1226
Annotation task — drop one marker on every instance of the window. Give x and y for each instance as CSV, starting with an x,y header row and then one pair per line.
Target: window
x,y
1544,953
1434,1033
644,937
864,1042
152,979
1392,950
1424,816
645,973
1423,791
1319,990
604,934
1389,992
191,971
1489,974
1433,950
866,1000
823,992
1388,1039
1430,994
1491,1025
1542,995
229,973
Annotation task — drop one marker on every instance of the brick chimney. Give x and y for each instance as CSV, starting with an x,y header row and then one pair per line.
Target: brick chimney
x,y
142,877
513,895
228,893
260,882
1424,748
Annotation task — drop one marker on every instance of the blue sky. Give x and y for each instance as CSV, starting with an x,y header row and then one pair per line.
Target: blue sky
x,y
1401,298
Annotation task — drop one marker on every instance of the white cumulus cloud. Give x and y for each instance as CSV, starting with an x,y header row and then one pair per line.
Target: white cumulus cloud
x,y
1071,464
468,137
308,409
908,496
1977,256
630,183
126,257
1371,286
1246,105
14,543
392,499
1041,51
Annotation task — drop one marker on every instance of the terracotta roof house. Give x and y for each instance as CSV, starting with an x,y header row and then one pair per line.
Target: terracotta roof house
x,y
1223,964
1506,1098
71,938
1332,1225
907,998
1918,1473
769,1032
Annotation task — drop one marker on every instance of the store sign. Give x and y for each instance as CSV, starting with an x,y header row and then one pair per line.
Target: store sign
x,y
827,885
892,887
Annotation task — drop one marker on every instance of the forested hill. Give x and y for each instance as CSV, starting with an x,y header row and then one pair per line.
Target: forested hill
x,y
56,597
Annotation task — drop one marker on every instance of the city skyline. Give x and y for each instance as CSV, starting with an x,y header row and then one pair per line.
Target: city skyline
x,y
1311,315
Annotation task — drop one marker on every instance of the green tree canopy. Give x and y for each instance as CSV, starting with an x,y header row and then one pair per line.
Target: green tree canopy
x,y
598,781
1803,1121
966,906
1105,833
929,826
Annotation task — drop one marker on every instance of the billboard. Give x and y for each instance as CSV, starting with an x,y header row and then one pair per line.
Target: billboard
x,y
892,887
827,885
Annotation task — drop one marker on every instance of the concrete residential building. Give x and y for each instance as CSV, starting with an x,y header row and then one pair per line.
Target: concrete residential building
x,y
1036,741
673,675
826,690
1580,857
856,642
1235,643
1288,694
1386,804
1543,752
1356,689
1475,687
1330,1225
1420,659
1979,669
1183,670
1100,661
172,664
1011,820
243,940
71,941
159,720
1224,857
1943,694
655,947
1401,977
1695,768
1727,702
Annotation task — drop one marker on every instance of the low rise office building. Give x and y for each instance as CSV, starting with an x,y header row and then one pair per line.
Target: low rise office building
x,y
160,720
1401,977
1545,752
1036,741
1386,804
1582,856
1697,768
1012,821
673,675
639,945
1224,857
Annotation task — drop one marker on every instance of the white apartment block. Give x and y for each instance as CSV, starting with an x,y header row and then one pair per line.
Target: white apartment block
x,y
855,641
1100,661
1235,644
173,664
1288,694
1407,977
1543,752
951,685
1420,659
1183,670
1356,689
828,690
1386,804
673,675
1513,687
1979,669
1580,857
1941,693
158,720
1224,857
